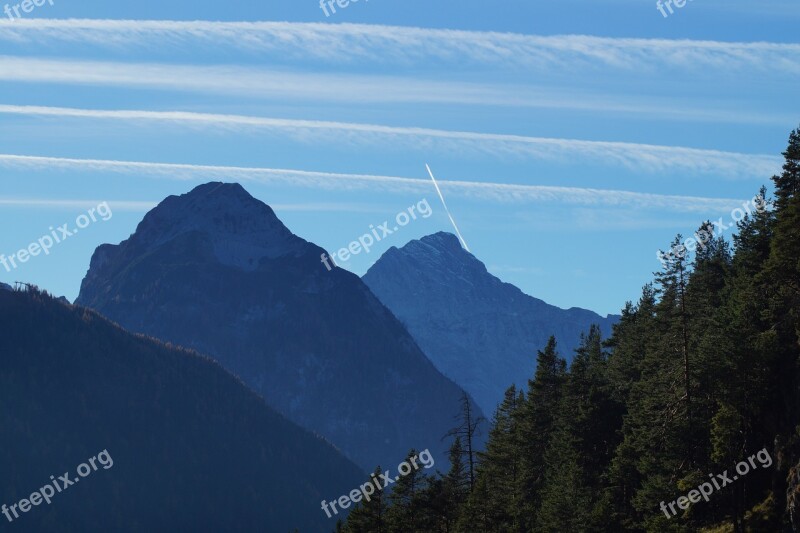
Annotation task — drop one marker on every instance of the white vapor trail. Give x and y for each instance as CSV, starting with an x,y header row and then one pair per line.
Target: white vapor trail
x,y
358,43
316,87
139,206
639,157
117,205
479,191
463,242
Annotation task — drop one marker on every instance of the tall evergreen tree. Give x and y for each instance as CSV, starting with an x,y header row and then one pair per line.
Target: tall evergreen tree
x,y
782,279
536,420
444,496
582,446
456,482
500,466
370,516
632,337
407,513
469,426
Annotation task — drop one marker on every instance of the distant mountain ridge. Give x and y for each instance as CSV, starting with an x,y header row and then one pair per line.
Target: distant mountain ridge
x,y
215,270
193,448
479,331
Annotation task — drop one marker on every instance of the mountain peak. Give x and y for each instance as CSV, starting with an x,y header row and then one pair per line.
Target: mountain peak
x,y
291,330
213,197
241,229
440,252
444,241
477,330
222,187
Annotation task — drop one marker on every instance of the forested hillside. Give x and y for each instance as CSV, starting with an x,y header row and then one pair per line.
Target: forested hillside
x,y
699,377
193,449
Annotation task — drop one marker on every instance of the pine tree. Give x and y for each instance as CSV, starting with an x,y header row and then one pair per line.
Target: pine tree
x,y
787,184
781,277
500,466
582,446
657,447
444,496
673,281
632,337
468,427
407,511
370,516
476,515
456,482
566,501
536,418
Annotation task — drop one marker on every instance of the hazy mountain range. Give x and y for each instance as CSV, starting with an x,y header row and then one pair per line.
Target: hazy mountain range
x,y
336,374
216,271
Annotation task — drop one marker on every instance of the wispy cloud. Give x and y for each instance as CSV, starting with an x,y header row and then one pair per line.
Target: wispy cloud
x,y
479,191
260,83
118,205
141,206
314,87
639,157
328,207
356,43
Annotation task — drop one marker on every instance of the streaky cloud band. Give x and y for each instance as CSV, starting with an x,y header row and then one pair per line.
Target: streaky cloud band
x,y
473,190
639,157
357,43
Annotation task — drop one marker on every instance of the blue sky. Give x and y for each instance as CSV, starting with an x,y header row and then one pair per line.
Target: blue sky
x,y
572,139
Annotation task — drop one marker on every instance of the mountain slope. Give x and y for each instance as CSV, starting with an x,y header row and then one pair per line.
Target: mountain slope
x,y
192,448
215,270
477,330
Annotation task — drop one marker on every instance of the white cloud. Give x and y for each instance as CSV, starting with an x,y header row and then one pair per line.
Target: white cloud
x,y
639,157
479,191
140,206
313,87
357,43
116,205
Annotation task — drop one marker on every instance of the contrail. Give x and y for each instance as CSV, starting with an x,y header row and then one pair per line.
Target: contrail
x,y
505,193
463,242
